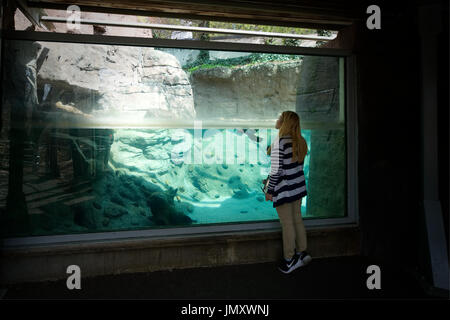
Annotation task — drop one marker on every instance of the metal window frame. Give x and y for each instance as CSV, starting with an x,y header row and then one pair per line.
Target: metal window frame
x,y
350,126
158,26
170,43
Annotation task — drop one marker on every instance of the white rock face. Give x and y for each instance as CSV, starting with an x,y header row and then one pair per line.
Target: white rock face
x,y
117,82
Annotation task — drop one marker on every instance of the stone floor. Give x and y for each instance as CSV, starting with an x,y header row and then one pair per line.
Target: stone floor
x,y
325,278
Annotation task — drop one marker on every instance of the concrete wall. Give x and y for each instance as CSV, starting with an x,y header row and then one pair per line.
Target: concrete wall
x,y
318,100
260,91
144,255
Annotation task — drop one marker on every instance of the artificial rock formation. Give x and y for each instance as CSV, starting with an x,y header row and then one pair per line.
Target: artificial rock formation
x,y
109,81
255,92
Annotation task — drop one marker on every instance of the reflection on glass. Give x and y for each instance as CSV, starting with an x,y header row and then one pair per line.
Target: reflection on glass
x,y
102,138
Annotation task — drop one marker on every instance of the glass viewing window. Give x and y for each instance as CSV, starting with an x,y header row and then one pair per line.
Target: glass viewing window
x,y
107,137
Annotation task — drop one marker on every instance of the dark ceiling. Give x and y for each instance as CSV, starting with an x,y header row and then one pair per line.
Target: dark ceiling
x,y
319,14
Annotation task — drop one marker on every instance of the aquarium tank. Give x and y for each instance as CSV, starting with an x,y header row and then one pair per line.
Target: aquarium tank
x,y
99,138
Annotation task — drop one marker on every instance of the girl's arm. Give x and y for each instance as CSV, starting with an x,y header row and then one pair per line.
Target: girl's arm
x,y
276,159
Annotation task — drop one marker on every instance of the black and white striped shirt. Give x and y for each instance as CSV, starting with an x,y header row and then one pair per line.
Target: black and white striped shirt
x,y
287,179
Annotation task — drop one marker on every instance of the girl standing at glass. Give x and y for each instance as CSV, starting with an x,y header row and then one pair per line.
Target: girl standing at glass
x,y
287,187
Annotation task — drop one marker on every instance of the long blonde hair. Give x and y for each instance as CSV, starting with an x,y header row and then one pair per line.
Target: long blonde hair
x,y
290,126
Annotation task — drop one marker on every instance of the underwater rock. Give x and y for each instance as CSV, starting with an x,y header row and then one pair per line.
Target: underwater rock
x,y
118,173
84,215
200,184
142,139
114,211
163,172
178,162
234,180
177,137
163,209
151,174
147,155
97,205
171,193
105,222
240,189
116,198
240,194
197,196
155,165
134,221
142,212
181,219
156,153
126,156
179,154
260,198
128,194
190,208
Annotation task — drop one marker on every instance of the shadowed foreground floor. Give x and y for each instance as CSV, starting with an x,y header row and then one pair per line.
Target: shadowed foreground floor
x,y
326,278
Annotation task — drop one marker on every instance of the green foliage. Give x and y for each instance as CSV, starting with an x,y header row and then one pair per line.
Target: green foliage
x,y
254,58
323,33
263,28
269,41
291,42
223,25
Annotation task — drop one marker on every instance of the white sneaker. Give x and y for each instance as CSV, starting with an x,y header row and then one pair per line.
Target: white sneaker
x,y
303,259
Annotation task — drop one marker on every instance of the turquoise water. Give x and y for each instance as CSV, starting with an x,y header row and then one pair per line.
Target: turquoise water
x,y
155,178
217,173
